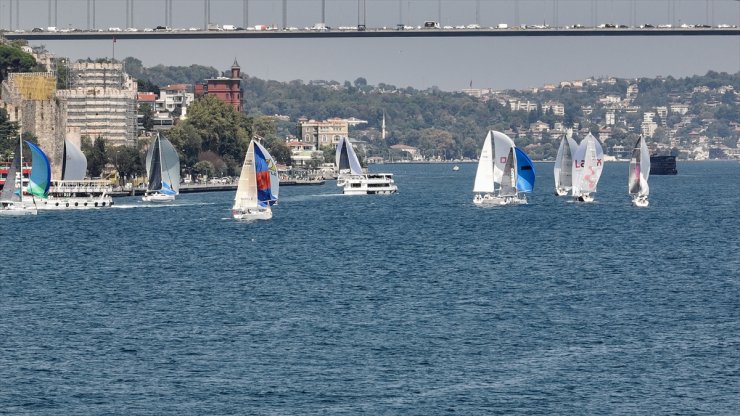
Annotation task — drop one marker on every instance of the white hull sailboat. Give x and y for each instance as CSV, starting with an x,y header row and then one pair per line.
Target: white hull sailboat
x,y
588,162
12,201
496,180
258,186
563,170
163,171
353,180
639,172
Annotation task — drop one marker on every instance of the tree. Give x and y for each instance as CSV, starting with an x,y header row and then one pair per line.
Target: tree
x,y
95,154
8,134
127,161
13,59
148,116
204,168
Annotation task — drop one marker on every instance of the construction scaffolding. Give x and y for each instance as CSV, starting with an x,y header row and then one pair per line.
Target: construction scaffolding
x,y
35,86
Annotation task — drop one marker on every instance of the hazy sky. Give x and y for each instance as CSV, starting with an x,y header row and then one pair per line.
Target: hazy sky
x,y
449,63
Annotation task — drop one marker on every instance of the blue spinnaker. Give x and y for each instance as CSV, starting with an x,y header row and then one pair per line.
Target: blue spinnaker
x,y
525,172
40,178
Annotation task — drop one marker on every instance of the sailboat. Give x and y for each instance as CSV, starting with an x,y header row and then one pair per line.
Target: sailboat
x,y
11,198
639,171
163,171
353,180
588,163
496,177
258,185
563,170
73,191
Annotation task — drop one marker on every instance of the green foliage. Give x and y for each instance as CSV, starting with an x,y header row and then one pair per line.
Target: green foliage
x,y
13,59
96,155
8,134
204,167
166,75
148,116
128,161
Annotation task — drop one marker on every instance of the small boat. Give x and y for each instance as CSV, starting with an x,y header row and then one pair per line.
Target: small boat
x,y
12,201
456,168
353,180
258,187
639,172
563,170
163,171
73,191
496,177
588,164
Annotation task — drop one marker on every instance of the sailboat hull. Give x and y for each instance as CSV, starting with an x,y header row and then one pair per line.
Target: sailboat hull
x,y
252,214
588,198
14,209
490,199
640,202
561,191
157,197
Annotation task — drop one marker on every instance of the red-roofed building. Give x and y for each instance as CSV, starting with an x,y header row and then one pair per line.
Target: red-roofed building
x,y
146,97
225,89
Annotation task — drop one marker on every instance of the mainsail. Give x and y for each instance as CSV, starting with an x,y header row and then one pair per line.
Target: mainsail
x,y
74,162
40,179
509,175
502,144
484,175
639,169
9,189
154,167
563,170
346,158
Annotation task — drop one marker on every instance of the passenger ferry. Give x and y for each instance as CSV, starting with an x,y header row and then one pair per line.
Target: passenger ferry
x,y
367,184
78,194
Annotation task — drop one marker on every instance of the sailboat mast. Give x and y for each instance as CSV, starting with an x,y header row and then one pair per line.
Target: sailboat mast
x,y
20,149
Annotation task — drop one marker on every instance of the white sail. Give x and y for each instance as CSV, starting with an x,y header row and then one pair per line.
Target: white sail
x,y
502,144
563,170
509,176
170,164
484,175
346,158
588,163
74,164
639,169
246,190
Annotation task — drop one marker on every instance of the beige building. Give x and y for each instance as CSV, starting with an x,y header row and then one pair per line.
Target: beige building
x,y
323,133
101,102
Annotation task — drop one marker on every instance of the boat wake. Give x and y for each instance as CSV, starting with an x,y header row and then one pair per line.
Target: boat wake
x,y
144,205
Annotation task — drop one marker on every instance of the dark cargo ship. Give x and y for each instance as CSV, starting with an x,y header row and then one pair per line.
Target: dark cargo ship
x,y
663,165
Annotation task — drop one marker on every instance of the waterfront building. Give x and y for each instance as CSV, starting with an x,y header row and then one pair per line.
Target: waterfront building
x,y
226,89
323,133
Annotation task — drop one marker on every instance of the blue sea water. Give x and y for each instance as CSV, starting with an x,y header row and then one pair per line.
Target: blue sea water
x,y
418,303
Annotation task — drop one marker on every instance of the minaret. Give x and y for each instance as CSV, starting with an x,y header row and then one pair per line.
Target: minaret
x,y
383,127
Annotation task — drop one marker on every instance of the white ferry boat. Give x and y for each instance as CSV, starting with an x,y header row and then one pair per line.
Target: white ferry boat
x,y
368,184
354,180
77,194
